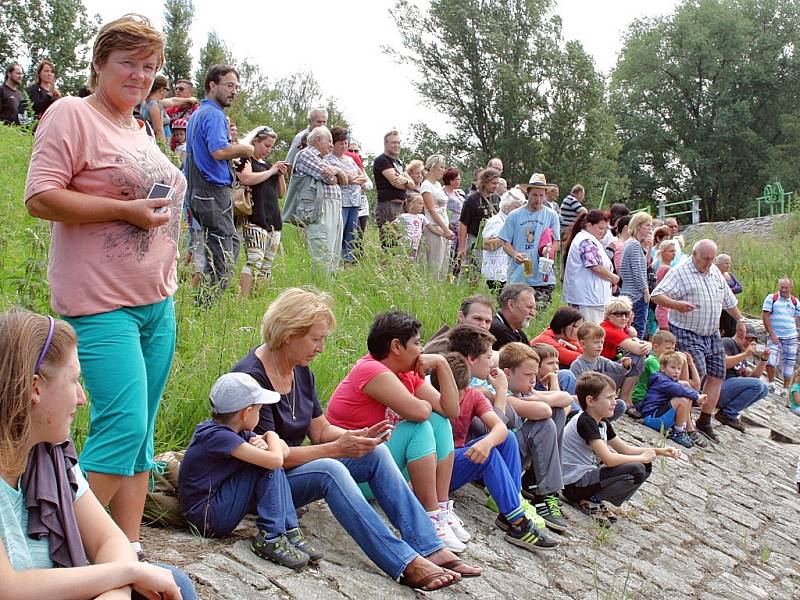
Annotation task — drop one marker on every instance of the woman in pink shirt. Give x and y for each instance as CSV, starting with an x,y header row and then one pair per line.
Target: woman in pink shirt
x,y
113,256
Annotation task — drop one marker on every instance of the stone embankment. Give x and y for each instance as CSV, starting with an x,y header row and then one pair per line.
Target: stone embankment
x,y
723,524
758,226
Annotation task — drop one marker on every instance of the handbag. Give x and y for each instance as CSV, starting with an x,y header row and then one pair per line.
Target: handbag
x,y
243,200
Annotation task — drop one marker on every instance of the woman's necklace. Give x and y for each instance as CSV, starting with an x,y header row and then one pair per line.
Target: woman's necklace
x,y
131,125
292,387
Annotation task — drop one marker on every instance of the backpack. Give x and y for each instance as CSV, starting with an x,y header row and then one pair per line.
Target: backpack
x,y
775,299
162,505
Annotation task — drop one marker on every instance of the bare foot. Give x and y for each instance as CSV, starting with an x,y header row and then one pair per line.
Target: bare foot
x,y
423,574
445,558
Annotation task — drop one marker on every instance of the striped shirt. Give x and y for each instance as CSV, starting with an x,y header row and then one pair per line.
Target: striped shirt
x,y
633,270
783,315
709,292
351,192
570,207
309,162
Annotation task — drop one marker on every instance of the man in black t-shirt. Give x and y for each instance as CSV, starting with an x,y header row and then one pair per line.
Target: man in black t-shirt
x,y
742,386
517,308
10,96
391,183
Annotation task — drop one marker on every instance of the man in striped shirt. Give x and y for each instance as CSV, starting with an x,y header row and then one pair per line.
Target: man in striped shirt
x,y
696,294
571,207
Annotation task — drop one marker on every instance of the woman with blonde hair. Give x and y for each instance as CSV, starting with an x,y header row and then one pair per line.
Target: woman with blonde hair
x,y
437,240
113,256
633,270
664,256
56,540
293,332
416,171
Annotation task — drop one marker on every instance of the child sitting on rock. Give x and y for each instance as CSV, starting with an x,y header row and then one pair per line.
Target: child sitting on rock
x,y
663,341
794,393
667,406
599,467
592,338
228,472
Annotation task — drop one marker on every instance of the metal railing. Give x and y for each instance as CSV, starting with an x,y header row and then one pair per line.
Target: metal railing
x,y
694,208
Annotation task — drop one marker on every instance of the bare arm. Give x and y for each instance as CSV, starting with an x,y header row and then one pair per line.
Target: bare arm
x,y
271,459
232,151
157,121
175,101
427,199
247,177
398,180
498,432
605,274
387,389
528,408
623,453
330,441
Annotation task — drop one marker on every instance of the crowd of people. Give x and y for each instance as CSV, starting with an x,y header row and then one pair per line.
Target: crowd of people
x,y
530,421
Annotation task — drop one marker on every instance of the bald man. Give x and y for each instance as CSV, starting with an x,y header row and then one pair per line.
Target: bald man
x,y
696,293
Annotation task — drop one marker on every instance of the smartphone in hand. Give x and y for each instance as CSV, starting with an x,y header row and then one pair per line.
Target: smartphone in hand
x,y
160,190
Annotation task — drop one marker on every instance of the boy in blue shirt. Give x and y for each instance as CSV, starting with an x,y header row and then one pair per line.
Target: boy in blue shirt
x,y
228,472
668,403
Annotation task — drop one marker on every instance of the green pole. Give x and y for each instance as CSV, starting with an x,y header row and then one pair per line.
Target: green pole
x,y
603,194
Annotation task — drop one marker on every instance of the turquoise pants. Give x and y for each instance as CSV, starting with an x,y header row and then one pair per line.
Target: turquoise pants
x,y
125,357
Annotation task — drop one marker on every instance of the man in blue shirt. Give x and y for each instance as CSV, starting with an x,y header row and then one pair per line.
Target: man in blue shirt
x,y
521,235
210,177
781,317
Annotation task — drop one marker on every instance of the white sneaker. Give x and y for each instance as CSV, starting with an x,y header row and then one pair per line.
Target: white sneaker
x,y
455,523
772,387
444,533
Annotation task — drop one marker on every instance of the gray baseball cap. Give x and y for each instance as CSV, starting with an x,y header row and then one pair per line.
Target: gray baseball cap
x,y
234,391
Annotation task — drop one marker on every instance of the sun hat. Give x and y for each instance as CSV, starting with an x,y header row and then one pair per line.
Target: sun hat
x,y
536,180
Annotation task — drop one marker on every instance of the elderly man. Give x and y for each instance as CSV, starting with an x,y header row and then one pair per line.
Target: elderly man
x,y
10,96
553,192
183,104
696,294
517,308
476,310
571,207
494,266
529,232
742,386
318,211
781,318
671,223
391,183
209,176
317,117
496,164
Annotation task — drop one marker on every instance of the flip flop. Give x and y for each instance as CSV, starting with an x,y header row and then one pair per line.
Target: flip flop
x,y
422,585
453,565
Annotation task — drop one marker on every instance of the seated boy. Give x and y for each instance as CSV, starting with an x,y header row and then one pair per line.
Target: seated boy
x,y
668,402
494,457
228,472
663,341
592,337
539,435
598,466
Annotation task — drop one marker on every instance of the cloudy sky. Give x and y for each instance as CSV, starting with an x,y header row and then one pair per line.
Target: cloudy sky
x,y
340,42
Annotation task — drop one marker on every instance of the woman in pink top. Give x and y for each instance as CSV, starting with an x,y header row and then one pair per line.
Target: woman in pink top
x,y
388,383
113,255
666,254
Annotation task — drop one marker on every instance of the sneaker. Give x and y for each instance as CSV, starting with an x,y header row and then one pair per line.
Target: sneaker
x,y
607,511
682,438
533,516
444,533
733,422
299,541
633,412
592,509
708,431
525,535
548,509
279,550
772,387
697,439
455,523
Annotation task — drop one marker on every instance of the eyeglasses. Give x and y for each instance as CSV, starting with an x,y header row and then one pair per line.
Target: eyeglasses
x,y
180,88
621,313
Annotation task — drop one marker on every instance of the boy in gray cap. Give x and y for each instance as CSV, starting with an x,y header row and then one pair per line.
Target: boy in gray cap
x,y
228,472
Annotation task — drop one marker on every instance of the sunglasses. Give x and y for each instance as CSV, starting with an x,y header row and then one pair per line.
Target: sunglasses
x,y
180,89
621,313
265,131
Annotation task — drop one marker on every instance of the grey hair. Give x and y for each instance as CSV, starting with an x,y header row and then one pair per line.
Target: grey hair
x,y
318,133
435,159
314,111
720,258
510,200
513,291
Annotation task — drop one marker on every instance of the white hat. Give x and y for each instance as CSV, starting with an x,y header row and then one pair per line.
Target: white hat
x,y
537,180
234,391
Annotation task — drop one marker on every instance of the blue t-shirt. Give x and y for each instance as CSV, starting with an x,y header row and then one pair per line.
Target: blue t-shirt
x,y
782,315
207,464
291,417
207,132
523,228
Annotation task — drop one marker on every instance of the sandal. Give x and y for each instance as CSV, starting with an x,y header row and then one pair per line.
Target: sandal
x,y
422,584
454,564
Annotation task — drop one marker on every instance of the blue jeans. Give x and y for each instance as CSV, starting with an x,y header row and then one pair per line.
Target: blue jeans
x,y
335,482
567,381
740,392
182,580
251,490
502,472
349,222
640,318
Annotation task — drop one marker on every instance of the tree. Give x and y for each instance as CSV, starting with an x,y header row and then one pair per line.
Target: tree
x,y
58,30
178,15
702,96
214,52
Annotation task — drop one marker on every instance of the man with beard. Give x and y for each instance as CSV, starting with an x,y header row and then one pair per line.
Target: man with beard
x,y
209,175
10,96
517,308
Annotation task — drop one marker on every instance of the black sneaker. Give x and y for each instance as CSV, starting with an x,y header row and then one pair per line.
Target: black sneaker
x,y
633,412
607,511
697,439
279,550
733,422
548,508
300,541
525,535
707,430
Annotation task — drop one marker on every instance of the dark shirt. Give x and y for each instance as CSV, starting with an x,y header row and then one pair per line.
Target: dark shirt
x,y
290,425
731,348
207,464
385,190
477,209
503,333
266,212
40,100
589,429
9,105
